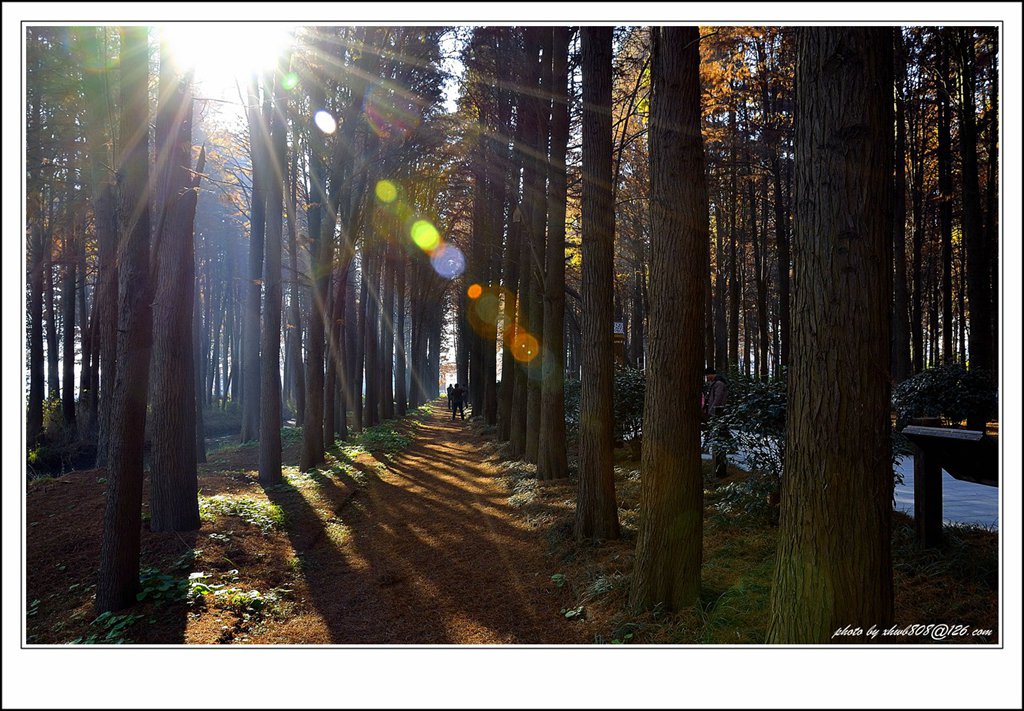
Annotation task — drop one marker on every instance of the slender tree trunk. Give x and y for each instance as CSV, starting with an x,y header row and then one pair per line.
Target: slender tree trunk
x,y
720,331
834,565
388,334
370,336
551,462
761,252
337,352
122,522
917,238
669,541
980,348
510,369
361,416
992,207
34,422
538,223
270,345
52,352
901,365
257,226
68,291
354,397
174,502
596,510
197,330
293,343
945,160
782,247
36,248
86,410
321,256
734,270
331,363
401,393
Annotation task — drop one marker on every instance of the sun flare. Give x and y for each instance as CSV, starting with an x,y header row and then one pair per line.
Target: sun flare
x,y
225,52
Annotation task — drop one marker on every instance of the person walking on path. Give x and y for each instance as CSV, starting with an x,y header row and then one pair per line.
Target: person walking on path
x,y
459,401
715,400
450,389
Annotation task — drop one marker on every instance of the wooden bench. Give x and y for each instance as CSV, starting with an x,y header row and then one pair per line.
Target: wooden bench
x,y
968,455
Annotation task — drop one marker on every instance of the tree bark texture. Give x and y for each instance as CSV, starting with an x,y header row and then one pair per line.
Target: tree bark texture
x,y
669,541
253,285
174,491
119,552
596,509
270,342
834,565
551,461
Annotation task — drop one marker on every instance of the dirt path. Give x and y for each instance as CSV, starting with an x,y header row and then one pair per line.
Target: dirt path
x,y
432,554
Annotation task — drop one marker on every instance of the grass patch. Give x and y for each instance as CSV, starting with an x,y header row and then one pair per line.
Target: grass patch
x,y
263,514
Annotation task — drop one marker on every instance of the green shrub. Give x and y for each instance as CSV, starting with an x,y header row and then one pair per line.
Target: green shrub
x,y
628,396
629,384
949,391
110,629
262,514
219,422
382,438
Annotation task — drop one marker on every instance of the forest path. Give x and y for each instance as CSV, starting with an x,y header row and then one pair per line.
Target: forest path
x,y
434,554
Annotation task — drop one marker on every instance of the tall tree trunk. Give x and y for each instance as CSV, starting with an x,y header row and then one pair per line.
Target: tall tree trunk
x,y
293,343
551,462
36,246
331,364
992,203
371,275
270,343
596,510
670,537
901,365
68,291
721,342
257,227
734,284
52,352
354,397
122,522
34,421
387,369
511,371
834,565
174,502
361,416
782,247
917,240
945,160
761,252
981,349
197,359
320,257
338,353
401,392
538,224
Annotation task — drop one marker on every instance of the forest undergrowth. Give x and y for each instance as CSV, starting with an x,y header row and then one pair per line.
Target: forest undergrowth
x,y
251,574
